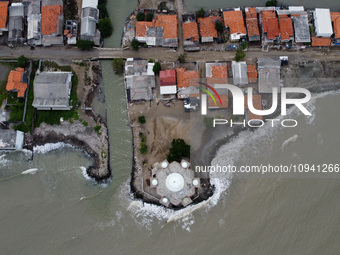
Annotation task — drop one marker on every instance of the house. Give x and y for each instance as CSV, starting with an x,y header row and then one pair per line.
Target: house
x,y
52,91
3,16
270,26
70,31
89,20
34,23
17,82
16,24
322,22
217,73
252,24
161,31
11,139
286,28
235,22
252,73
52,22
207,28
168,85
257,103
269,74
240,75
139,79
335,17
187,83
321,42
190,34
301,27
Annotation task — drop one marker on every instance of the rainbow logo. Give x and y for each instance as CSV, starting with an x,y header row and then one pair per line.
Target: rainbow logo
x,y
209,93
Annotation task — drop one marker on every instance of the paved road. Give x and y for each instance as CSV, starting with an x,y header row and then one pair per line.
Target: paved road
x,y
63,54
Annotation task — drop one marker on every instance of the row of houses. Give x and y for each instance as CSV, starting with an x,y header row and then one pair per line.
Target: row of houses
x,y
41,22
267,24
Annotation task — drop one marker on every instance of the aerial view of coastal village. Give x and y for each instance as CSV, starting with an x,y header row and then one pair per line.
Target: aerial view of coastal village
x,y
145,126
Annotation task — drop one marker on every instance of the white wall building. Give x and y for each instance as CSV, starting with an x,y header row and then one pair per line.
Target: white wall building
x,y
323,23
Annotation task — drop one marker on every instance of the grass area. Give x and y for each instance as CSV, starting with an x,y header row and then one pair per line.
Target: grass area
x,y
53,66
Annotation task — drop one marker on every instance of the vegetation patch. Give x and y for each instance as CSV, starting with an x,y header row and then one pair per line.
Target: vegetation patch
x,y
85,44
141,119
178,150
118,65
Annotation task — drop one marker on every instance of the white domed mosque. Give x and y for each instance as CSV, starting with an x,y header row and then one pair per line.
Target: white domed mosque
x,y
174,183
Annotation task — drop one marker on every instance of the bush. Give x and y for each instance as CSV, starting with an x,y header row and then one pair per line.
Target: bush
x,y
219,26
103,13
85,123
178,150
240,55
182,57
135,44
105,27
141,119
22,61
97,129
200,13
244,45
143,148
149,16
118,65
22,127
271,3
140,16
157,68
85,44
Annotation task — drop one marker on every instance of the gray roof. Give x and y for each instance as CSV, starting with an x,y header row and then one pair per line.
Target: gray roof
x,y
301,28
52,89
15,29
140,86
269,74
34,7
88,28
90,12
136,67
240,75
16,10
52,2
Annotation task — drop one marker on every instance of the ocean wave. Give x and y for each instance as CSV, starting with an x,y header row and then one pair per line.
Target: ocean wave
x,y
30,171
41,149
288,141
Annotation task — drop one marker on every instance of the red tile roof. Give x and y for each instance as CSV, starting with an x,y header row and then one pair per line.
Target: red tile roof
x,y
141,27
320,41
335,15
168,22
252,22
257,103
270,24
219,75
49,18
252,73
286,28
224,99
234,20
186,78
336,24
167,77
190,31
3,14
14,82
207,26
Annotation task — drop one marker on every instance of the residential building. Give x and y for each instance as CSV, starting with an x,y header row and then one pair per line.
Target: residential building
x,y
301,27
89,20
3,16
52,22
17,82
187,83
321,41
252,73
269,74
286,28
52,91
235,22
322,22
190,34
168,85
270,26
16,24
335,16
11,139
34,23
70,31
139,79
161,31
207,28
240,75
252,23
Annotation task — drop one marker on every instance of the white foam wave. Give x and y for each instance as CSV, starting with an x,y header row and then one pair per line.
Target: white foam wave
x,y
3,160
289,140
30,171
84,172
50,147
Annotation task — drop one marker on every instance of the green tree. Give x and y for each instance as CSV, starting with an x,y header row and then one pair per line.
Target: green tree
x,y
240,55
105,27
118,65
143,148
85,44
135,44
141,119
200,13
157,68
149,16
244,45
22,61
178,150
182,57
271,3
103,13
219,26
140,16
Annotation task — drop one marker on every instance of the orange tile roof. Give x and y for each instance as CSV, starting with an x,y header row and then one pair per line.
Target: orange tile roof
x,y
169,23
186,78
14,82
270,24
252,73
257,103
208,26
3,14
320,41
335,15
190,31
252,22
234,20
141,27
49,18
224,99
336,24
219,75
286,28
